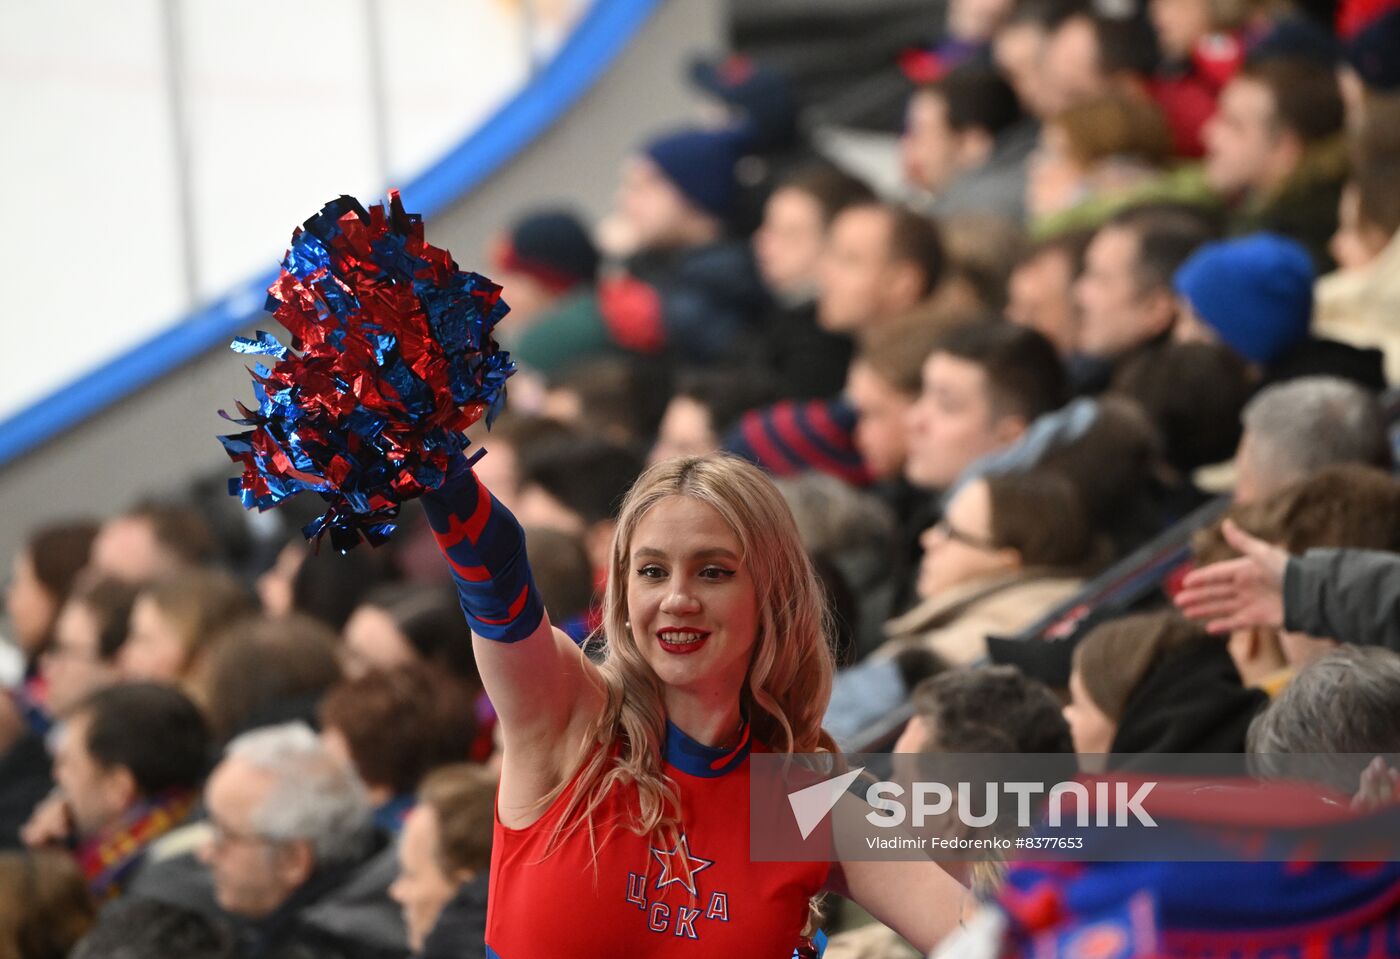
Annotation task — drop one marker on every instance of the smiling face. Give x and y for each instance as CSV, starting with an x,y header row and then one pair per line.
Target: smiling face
x,y
691,601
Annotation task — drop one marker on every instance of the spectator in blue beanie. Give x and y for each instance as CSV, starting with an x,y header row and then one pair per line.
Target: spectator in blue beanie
x,y
1254,294
759,99
686,288
698,168
754,95
689,287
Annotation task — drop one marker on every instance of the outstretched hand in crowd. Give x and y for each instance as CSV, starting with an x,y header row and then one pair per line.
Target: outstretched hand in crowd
x,y
1237,593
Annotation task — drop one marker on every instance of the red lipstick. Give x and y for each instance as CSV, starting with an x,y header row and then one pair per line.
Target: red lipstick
x,y
681,640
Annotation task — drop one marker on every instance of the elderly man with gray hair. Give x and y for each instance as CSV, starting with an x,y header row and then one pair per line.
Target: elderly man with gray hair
x,y
291,829
1346,702
1294,429
1342,712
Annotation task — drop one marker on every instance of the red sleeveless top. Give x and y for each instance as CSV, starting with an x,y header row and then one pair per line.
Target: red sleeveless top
x,y
642,901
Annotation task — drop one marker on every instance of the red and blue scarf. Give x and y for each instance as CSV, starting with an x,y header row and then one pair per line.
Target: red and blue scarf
x,y
1294,908
108,857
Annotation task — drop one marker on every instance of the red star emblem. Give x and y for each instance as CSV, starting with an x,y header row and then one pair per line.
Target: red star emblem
x,y
680,866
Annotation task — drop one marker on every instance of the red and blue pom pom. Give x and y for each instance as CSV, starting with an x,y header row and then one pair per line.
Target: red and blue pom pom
x,y
391,359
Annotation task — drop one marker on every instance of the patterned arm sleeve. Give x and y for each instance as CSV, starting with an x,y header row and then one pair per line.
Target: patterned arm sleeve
x,y
485,548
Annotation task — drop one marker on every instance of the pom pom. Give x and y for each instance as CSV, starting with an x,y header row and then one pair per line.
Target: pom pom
x,y
391,359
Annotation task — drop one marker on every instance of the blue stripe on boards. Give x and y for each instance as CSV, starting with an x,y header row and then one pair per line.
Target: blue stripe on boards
x,y
595,43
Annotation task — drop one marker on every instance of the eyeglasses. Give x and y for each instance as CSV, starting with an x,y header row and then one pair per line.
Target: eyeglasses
x,y
947,529
221,836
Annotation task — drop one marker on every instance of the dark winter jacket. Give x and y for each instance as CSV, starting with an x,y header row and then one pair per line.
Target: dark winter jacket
x,y
460,932
1350,595
1189,701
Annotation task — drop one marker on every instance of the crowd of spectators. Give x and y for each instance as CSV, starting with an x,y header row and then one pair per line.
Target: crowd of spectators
x,y
1142,279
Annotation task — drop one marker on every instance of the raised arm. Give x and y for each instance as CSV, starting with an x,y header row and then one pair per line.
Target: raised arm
x,y
1351,595
538,679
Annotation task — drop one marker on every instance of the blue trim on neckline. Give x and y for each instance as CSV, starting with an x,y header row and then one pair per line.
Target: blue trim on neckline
x,y
694,758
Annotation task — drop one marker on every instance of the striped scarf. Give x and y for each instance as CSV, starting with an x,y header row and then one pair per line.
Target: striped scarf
x,y
1294,907
109,856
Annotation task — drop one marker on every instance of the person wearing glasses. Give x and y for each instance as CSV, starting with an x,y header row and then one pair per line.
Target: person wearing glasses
x,y
88,636
81,658
128,767
291,834
1007,550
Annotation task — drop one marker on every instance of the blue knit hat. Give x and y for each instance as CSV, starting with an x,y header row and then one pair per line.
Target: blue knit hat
x,y
759,92
551,245
701,165
1255,292
1296,37
1373,53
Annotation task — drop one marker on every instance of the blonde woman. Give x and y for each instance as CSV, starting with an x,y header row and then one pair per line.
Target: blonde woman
x,y
622,819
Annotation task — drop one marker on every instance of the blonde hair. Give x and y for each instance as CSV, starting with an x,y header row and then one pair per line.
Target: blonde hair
x,y
788,681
